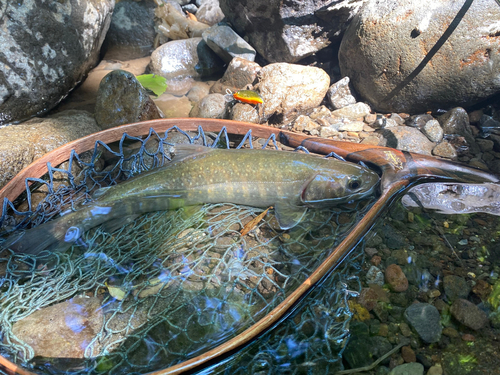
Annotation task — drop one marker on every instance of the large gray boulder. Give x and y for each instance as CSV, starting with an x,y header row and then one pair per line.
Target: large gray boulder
x,y
288,31
47,48
388,40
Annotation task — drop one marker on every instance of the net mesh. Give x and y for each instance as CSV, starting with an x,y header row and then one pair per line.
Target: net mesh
x,y
170,285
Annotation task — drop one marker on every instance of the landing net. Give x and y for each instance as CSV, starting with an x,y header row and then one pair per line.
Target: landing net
x,y
169,285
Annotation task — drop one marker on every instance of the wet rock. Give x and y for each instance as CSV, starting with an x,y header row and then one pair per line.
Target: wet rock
x,y
175,25
387,41
173,106
132,28
426,321
184,58
121,99
22,144
384,122
289,31
445,150
408,369
485,145
379,347
211,106
339,94
288,90
198,91
419,121
49,48
84,96
358,351
368,298
407,139
353,111
396,278
209,12
433,131
63,330
246,113
227,44
456,121
455,287
375,276
469,314
240,74
408,354
435,370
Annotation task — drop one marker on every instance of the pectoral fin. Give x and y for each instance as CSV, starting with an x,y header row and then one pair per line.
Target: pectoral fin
x,y
288,215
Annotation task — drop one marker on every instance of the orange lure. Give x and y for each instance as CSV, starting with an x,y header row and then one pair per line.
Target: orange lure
x,y
248,96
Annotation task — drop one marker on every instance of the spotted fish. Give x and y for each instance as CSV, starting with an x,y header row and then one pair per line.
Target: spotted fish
x,y
290,182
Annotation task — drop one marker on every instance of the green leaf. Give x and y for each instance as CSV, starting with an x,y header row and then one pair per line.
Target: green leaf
x,y
153,82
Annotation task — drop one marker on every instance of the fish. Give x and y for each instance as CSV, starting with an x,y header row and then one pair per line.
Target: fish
x,y
291,182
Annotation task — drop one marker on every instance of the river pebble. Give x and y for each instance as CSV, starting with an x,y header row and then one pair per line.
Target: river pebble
x,y
375,276
468,314
433,131
426,321
396,278
455,287
408,369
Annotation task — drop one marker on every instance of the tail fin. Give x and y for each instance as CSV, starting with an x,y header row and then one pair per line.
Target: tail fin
x,y
56,235
59,234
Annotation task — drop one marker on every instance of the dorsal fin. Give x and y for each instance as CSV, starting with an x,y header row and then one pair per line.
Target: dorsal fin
x,y
185,150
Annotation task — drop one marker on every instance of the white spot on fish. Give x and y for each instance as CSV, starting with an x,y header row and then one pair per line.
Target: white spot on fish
x,y
72,234
100,210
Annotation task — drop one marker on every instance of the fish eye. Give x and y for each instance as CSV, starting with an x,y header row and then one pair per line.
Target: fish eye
x,y
354,184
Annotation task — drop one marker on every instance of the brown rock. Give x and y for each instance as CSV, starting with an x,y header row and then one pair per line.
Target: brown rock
x,y
396,278
63,330
469,314
376,259
368,298
408,354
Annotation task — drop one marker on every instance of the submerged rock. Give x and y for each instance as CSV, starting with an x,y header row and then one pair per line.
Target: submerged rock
x,y
22,144
388,41
289,89
47,48
289,31
469,314
211,106
63,330
425,319
121,99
